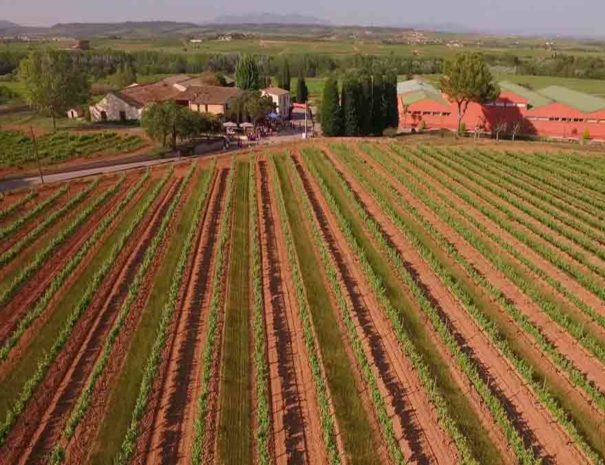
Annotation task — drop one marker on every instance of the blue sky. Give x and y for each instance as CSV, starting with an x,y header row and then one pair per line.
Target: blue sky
x,y
523,16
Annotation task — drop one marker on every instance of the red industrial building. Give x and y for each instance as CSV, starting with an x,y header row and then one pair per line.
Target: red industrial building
x,y
554,112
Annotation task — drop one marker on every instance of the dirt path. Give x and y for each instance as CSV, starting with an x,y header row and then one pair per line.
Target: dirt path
x,y
296,425
523,219
571,284
39,427
24,228
34,288
422,439
44,236
567,345
178,385
535,423
78,449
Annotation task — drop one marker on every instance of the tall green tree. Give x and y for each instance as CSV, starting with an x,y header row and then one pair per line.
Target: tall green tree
x,y
302,91
390,96
251,106
284,78
53,81
366,113
331,112
247,74
124,76
352,106
169,123
467,79
378,107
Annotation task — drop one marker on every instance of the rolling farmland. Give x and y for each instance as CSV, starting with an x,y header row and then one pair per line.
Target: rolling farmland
x,y
333,302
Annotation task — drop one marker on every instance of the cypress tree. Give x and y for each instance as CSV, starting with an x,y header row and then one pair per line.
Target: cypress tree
x,y
378,109
366,104
247,75
302,91
331,114
392,120
352,106
284,81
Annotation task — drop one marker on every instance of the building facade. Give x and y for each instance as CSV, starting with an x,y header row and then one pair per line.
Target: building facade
x,y
553,112
281,98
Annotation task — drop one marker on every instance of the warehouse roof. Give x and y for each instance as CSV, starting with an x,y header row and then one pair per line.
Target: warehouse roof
x,y
419,95
580,101
415,85
534,99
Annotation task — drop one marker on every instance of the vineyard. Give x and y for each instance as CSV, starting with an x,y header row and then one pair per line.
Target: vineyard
x,y
337,303
17,149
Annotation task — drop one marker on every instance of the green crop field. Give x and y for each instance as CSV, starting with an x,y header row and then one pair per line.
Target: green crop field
x,y
17,149
378,301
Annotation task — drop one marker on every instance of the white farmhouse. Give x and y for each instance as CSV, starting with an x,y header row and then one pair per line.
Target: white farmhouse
x,y
281,98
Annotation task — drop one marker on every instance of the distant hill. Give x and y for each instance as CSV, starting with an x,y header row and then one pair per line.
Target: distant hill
x,y
8,26
270,18
125,29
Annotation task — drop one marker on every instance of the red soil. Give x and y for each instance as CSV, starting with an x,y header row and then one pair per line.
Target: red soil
x,y
421,437
23,229
568,282
558,336
534,422
169,436
296,419
33,289
78,449
39,427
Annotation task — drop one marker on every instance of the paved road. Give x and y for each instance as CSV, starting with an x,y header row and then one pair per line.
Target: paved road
x,y
48,178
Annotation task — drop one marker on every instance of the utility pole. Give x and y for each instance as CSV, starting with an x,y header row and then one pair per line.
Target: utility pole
x,y
306,111
36,154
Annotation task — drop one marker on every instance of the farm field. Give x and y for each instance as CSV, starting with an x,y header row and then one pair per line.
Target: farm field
x,y
336,302
17,148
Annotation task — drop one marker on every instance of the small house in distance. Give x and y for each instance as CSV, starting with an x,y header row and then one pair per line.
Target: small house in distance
x,y
281,98
215,100
76,113
128,104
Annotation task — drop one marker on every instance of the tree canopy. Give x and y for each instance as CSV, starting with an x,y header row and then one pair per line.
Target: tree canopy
x,y
168,123
467,79
251,106
331,112
302,91
53,82
247,74
284,78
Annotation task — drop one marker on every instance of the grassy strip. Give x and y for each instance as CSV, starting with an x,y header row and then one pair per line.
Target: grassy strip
x,y
469,366
27,271
11,228
120,408
262,434
183,239
85,398
589,180
554,192
455,413
197,448
576,376
35,233
492,184
480,312
10,210
358,438
66,272
380,405
234,440
574,190
321,386
548,303
46,359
